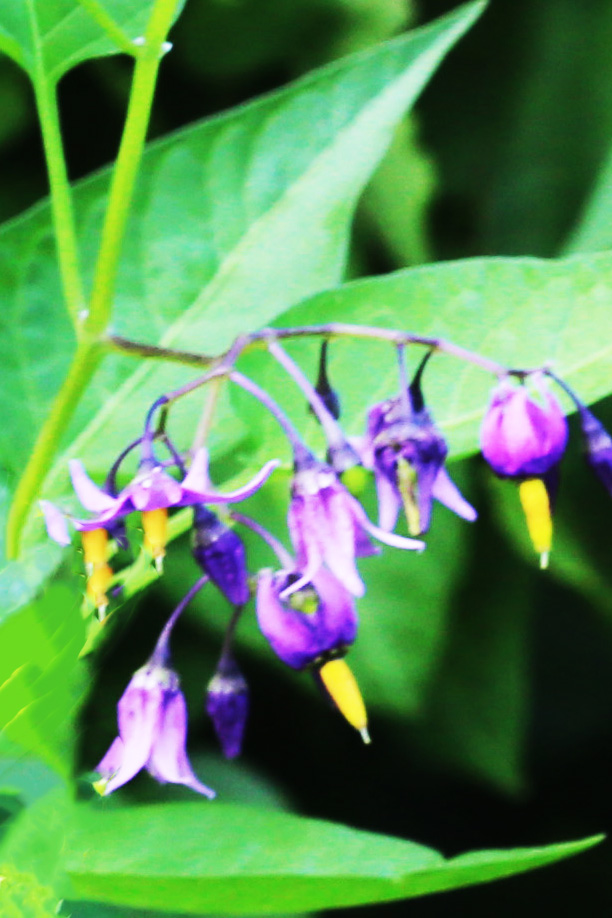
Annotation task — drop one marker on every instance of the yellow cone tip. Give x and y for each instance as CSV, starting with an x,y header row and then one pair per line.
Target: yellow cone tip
x,y
365,736
344,691
538,515
100,786
159,564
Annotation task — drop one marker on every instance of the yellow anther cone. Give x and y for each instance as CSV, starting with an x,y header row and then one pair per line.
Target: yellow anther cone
x,y
342,686
95,547
408,484
155,525
98,582
538,514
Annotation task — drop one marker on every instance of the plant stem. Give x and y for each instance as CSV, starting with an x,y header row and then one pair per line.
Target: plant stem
x,y
126,167
332,330
161,652
112,29
332,429
61,197
86,360
89,351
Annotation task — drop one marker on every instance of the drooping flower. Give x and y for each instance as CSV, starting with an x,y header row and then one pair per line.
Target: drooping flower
x,y
407,452
220,553
329,526
152,718
313,628
524,438
227,705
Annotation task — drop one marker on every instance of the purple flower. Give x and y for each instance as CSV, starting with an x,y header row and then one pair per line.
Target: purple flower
x,y
220,553
151,489
314,629
407,453
152,718
315,623
329,526
521,437
227,704
598,443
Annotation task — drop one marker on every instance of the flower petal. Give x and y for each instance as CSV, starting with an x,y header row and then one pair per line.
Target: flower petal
x,y
389,502
447,492
390,538
55,521
197,480
91,496
242,493
168,761
138,716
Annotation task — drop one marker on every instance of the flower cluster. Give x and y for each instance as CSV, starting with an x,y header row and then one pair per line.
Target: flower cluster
x,y
306,601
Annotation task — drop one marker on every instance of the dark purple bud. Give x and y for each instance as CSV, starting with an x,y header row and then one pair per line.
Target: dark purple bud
x,y
227,705
323,388
311,625
522,437
598,444
220,553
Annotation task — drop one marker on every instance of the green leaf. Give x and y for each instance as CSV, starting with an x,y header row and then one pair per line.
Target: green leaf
x,y
234,220
49,37
235,860
593,232
39,684
522,312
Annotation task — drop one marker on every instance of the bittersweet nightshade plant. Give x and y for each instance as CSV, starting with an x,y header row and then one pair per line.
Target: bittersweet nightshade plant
x,y
205,241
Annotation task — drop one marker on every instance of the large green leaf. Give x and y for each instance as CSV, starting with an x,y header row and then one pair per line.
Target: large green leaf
x,y
523,312
49,37
39,675
234,220
233,860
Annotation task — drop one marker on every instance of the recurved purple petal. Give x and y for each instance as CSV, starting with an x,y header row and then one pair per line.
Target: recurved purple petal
x,y
197,480
246,490
389,502
390,538
447,492
91,496
56,523
168,761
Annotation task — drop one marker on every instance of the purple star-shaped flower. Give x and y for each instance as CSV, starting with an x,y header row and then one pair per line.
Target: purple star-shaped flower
x,y
522,437
407,452
316,623
329,526
152,718
151,489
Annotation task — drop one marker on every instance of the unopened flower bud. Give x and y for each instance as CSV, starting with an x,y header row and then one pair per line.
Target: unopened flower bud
x,y
220,553
227,705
